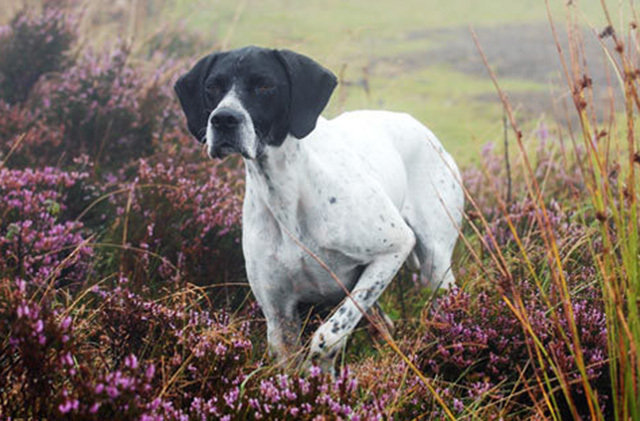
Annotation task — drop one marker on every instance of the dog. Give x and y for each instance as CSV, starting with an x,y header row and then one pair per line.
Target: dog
x,y
332,208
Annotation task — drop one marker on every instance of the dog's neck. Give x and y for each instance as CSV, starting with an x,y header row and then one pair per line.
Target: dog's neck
x,y
279,160
282,176
279,168
285,166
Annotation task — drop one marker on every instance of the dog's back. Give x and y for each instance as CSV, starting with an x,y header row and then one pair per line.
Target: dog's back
x,y
419,176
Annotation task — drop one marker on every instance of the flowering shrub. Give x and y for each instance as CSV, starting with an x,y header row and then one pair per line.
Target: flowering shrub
x,y
189,214
31,46
313,397
107,110
38,142
280,396
125,392
36,354
38,242
479,339
100,106
137,358
210,349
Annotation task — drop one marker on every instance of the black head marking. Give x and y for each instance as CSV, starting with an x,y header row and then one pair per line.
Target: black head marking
x,y
191,93
281,91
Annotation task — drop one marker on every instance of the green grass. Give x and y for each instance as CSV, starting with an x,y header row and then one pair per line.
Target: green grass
x,y
444,100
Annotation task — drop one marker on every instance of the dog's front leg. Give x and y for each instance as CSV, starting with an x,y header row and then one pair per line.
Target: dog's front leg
x,y
283,330
329,339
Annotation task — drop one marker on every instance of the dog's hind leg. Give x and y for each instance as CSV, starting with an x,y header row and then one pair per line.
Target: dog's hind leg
x,y
436,225
435,263
436,231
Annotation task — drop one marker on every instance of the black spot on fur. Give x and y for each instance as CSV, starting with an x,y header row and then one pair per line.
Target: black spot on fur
x,y
333,200
366,295
322,343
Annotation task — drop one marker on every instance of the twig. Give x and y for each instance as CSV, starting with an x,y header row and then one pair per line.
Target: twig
x,y
505,123
13,148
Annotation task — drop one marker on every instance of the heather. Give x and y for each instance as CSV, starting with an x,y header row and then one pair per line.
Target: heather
x,y
123,293
33,45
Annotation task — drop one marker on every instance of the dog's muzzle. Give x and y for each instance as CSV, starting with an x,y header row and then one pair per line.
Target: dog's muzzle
x,y
226,124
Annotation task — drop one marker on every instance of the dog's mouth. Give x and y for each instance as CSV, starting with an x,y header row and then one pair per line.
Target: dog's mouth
x,y
223,149
222,145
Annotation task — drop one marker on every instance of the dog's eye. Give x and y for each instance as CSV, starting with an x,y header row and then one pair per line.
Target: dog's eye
x,y
214,89
264,89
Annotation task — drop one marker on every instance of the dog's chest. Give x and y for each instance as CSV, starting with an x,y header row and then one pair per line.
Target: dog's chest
x,y
286,248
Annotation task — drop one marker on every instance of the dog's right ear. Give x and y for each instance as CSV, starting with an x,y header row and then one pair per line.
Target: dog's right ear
x,y
191,93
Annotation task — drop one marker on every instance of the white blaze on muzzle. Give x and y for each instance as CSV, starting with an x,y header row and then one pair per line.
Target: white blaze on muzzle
x,y
241,136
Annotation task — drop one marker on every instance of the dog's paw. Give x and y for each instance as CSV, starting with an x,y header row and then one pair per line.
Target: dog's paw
x,y
318,364
324,350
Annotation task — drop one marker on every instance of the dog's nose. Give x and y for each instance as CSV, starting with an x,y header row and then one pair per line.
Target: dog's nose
x,y
226,119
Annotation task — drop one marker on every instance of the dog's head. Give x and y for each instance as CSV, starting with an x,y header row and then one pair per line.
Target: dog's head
x,y
247,99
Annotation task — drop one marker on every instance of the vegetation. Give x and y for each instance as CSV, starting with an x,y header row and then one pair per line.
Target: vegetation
x,y
122,287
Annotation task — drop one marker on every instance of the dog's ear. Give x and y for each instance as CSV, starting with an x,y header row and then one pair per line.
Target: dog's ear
x,y
191,91
311,87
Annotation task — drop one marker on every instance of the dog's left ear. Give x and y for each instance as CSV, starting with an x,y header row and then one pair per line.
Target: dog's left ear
x,y
190,91
311,87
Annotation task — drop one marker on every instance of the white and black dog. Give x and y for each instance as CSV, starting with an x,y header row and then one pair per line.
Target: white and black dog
x,y
363,192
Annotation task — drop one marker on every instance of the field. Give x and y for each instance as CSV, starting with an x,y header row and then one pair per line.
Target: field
x,y
123,292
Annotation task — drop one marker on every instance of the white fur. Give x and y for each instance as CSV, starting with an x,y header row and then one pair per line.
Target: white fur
x,y
363,192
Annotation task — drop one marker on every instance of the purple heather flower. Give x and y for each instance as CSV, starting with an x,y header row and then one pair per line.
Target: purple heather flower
x,y
314,371
131,361
150,371
112,391
94,408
